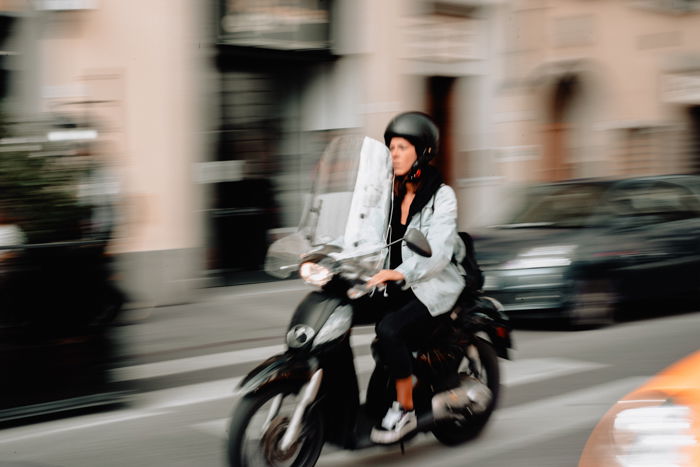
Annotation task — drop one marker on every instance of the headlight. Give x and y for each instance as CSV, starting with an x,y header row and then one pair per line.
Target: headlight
x,y
315,273
532,263
337,324
299,336
542,257
658,435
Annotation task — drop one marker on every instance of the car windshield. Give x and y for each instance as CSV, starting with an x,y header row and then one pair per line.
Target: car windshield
x,y
556,206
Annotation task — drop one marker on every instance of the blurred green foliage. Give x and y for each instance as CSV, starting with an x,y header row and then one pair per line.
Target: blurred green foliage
x,y
39,191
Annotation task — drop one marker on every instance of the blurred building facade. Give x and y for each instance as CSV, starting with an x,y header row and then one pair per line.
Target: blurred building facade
x,y
294,74
216,112
105,65
599,89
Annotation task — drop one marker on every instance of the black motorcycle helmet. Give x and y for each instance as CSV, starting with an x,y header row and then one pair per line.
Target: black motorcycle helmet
x,y
420,130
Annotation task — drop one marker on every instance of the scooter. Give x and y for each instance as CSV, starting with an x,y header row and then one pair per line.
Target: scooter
x,y
295,402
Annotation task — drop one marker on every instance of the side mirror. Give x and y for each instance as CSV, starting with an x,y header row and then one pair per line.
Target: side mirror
x,y
416,242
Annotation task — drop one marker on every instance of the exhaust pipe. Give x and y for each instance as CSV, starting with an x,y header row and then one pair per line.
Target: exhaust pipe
x,y
471,396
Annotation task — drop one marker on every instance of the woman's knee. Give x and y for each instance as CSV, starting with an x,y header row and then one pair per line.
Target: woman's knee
x,y
387,330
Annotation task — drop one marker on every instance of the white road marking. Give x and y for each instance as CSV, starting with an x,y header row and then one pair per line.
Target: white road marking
x,y
81,423
515,373
188,395
266,291
540,368
205,362
164,401
524,371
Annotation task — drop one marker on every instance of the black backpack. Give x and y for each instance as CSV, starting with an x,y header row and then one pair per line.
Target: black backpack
x,y
474,277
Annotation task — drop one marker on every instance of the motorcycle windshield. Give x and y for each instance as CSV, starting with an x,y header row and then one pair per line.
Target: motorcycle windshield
x,y
348,207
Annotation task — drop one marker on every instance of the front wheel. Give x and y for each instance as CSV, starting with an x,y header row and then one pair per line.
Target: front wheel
x,y
258,424
480,361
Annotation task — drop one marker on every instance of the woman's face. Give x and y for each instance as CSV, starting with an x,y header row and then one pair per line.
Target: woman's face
x,y
403,155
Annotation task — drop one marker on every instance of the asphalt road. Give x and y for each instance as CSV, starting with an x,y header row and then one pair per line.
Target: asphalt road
x,y
185,360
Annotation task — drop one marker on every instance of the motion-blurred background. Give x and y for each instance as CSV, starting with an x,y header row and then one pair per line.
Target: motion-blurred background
x,y
211,114
152,150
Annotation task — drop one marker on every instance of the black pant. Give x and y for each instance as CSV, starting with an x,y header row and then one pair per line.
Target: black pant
x,y
402,324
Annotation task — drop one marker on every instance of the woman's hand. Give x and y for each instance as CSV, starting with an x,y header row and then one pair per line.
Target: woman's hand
x,y
384,276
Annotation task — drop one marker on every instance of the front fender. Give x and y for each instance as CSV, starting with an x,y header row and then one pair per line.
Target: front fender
x,y
287,366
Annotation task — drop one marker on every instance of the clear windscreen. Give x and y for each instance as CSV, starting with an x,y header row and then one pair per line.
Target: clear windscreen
x,y
348,206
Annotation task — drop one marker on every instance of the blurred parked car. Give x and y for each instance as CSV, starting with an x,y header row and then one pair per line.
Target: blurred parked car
x,y
58,294
656,424
578,249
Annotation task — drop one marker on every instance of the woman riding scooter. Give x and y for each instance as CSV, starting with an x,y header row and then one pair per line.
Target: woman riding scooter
x,y
417,289
297,401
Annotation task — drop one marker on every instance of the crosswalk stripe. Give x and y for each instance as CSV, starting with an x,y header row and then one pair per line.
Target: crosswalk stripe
x,y
572,411
541,368
515,372
209,361
63,425
188,395
514,375
154,403
520,371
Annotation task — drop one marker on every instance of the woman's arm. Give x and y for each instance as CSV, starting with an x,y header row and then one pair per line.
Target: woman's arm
x,y
440,232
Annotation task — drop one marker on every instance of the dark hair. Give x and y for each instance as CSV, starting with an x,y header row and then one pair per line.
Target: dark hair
x,y
400,184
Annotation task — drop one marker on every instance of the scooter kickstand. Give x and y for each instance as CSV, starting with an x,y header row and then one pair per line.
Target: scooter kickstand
x,y
403,450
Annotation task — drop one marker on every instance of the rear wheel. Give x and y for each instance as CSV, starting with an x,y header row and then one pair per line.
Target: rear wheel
x,y
259,423
480,361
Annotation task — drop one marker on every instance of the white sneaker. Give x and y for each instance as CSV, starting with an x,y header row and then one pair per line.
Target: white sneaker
x,y
396,424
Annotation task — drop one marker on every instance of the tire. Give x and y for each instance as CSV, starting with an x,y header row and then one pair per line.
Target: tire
x,y
247,450
486,370
593,304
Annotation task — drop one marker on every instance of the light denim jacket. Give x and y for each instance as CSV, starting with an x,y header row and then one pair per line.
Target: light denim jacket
x,y
436,281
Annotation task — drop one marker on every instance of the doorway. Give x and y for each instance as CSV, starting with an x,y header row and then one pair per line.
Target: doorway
x,y
558,128
440,90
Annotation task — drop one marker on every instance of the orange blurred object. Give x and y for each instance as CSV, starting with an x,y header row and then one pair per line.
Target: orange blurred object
x,y
657,424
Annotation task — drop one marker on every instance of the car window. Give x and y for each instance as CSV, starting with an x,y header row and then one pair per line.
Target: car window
x,y
646,204
558,206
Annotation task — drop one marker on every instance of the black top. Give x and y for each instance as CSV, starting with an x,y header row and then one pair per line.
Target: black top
x,y
398,230
430,183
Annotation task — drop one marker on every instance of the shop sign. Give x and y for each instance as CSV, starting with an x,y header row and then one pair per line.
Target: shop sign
x,y
271,24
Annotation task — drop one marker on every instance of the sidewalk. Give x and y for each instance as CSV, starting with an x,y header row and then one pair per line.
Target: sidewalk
x,y
220,317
